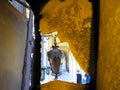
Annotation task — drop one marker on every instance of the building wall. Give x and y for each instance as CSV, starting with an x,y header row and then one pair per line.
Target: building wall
x,y
72,20
109,46
13,31
60,85
18,6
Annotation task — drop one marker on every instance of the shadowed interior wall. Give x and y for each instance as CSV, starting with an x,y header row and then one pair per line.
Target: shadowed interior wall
x,y
109,46
13,32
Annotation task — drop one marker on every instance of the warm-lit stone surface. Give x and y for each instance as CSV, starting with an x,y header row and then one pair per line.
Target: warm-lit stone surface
x,y
60,85
72,20
109,47
13,30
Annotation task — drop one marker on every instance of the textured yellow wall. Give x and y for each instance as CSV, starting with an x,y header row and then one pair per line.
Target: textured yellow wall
x,y
72,20
109,47
13,31
59,85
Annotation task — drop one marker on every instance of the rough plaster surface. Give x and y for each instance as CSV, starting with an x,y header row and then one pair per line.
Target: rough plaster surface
x,y
13,30
60,85
72,20
109,46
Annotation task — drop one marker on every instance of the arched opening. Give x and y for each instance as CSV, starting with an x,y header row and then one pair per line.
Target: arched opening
x,y
69,69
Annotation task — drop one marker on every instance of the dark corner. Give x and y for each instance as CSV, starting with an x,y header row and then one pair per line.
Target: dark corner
x,y
94,44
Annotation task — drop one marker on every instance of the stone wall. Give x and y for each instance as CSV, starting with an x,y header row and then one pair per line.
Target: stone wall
x,y
108,69
72,20
13,32
60,85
